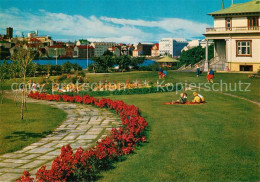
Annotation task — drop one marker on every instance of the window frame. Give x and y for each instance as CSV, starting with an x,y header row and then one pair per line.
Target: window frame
x,y
249,18
226,23
244,55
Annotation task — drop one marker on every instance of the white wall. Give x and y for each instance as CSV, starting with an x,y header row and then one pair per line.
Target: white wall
x,y
231,46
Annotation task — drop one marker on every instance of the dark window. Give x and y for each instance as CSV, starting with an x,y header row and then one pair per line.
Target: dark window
x,y
228,23
246,68
253,23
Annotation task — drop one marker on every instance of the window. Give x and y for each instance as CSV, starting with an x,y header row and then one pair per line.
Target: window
x,y
228,23
246,68
253,23
244,48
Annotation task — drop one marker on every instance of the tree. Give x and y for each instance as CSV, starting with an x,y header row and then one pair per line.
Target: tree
x,y
136,61
3,77
24,59
124,62
103,63
108,53
194,55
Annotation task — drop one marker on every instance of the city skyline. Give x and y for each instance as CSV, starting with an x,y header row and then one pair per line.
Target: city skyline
x,y
118,21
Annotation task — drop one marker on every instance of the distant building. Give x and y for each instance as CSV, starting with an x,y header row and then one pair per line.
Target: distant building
x,y
56,51
196,43
82,51
115,50
9,32
155,50
101,47
236,35
143,49
81,42
172,46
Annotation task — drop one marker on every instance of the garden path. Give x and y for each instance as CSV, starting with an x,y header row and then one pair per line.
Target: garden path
x,y
83,127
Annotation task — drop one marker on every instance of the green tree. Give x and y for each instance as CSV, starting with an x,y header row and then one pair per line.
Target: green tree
x,y
135,61
3,76
194,55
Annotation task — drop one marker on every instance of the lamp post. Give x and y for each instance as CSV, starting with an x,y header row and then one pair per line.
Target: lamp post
x,y
56,56
87,55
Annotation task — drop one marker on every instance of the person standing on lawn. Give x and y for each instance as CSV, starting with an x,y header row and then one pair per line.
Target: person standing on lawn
x,y
160,72
210,75
197,70
164,74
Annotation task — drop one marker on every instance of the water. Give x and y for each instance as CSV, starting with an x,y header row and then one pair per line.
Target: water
x,y
81,62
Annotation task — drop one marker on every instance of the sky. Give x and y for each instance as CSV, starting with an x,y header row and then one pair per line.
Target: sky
x,y
121,21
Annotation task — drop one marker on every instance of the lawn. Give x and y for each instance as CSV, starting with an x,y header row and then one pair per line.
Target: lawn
x,y
217,141
230,79
40,120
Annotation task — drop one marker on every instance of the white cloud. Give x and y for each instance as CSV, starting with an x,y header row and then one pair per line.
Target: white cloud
x,y
60,25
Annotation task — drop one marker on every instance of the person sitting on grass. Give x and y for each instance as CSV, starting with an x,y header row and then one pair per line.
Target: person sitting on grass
x,y
182,99
198,98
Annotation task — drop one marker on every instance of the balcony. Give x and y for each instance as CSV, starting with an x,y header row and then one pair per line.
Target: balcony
x,y
225,30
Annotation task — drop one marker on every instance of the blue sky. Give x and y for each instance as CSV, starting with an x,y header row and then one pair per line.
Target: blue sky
x,y
110,20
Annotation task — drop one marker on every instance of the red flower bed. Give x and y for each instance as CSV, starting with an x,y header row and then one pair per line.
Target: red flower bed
x,y
69,166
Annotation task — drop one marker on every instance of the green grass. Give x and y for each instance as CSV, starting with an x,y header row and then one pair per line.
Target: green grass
x,y
40,120
189,77
217,141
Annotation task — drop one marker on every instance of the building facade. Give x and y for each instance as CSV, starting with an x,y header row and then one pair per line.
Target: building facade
x,y
83,51
56,51
115,50
171,46
236,37
155,50
101,47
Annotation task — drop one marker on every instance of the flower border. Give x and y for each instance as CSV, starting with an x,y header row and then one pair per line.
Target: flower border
x,y
86,164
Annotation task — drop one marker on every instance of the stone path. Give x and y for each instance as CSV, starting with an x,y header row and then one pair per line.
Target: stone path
x,y
83,127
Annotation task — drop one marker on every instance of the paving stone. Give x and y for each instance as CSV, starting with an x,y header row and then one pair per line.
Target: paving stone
x,y
87,137
40,150
13,156
9,176
33,164
12,170
31,156
54,153
18,161
10,165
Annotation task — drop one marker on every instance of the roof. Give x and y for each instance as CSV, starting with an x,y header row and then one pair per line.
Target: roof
x,y
82,41
157,46
85,47
249,7
112,48
34,40
167,59
56,46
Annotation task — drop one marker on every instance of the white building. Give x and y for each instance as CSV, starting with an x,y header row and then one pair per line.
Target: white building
x,y
101,47
196,43
172,46
236,36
